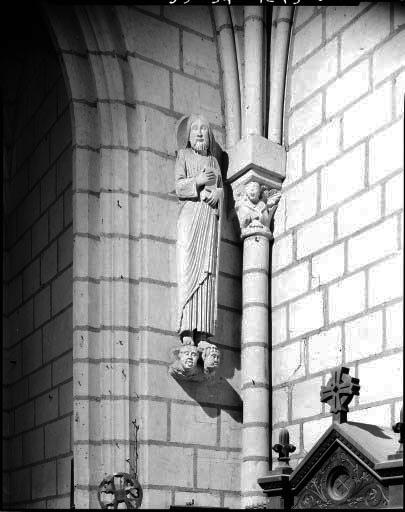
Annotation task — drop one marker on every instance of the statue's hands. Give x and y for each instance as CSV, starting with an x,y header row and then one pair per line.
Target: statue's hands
x,y
213,198
205,176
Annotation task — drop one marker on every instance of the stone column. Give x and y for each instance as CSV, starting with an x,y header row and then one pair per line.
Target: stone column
x,y
255,159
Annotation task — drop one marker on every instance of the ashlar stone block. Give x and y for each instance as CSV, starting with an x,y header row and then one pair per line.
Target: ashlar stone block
x,y
193,424
305,398
218,470
256,158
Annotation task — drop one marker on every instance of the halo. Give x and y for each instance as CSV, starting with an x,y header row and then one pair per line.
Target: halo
x,y
181,132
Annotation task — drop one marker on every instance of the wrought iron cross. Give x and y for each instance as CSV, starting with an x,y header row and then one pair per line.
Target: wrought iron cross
x,y
339,392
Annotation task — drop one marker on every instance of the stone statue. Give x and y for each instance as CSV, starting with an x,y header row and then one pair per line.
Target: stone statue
x,y
199,188
255,206
200,191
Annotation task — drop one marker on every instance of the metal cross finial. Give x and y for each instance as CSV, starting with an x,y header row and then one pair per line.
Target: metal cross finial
x,y
284,448
339,392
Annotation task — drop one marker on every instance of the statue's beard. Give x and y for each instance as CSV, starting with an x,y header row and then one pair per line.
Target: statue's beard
x,y
200,146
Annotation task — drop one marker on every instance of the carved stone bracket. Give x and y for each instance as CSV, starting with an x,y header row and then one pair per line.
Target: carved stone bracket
x,y
256,170
195,363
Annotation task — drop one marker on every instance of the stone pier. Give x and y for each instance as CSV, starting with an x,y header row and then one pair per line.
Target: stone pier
x,y
256,166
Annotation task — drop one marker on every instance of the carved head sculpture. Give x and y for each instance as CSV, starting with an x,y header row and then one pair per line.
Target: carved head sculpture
x,y
198,135
185,366
183,132
188,356
211,357
253,191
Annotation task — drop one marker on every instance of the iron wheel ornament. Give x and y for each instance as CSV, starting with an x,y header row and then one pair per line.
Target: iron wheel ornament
x,y
120,488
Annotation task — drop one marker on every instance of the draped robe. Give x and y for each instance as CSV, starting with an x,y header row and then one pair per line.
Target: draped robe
x,y
197,244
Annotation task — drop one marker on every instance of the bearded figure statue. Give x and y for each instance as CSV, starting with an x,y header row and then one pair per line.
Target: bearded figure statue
x,y
200,191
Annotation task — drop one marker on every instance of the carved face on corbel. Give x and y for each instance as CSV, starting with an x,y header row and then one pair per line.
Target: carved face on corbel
x,y
211,357
253,191
199,135
188,356
185,366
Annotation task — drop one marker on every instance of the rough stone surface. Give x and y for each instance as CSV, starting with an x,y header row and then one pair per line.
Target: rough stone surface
x,y
325,350
279,325
347,297
289,284
315,235
359,212
365,33
305,118
347,88
302,14
193,424
288,363
306,314
394,325
313,430
218,470
298,211
377,102
307,39
44,174
382,162
338,181
372,389
385,280
363,336
323,145
328,265
305,398
314,72
373,244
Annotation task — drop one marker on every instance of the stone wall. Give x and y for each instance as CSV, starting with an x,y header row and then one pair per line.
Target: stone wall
x,y
189,435
37,349
337,259
133,73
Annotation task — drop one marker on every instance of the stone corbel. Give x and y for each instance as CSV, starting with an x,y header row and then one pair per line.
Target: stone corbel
x,y
255,159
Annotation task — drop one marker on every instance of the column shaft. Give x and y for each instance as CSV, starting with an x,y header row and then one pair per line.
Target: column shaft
x,y
255,371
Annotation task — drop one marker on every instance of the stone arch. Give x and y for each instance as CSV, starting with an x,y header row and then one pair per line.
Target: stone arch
x,y
125,102
88,42
38,255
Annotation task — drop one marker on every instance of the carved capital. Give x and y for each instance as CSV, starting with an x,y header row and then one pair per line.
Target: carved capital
x,y
256,170
255,205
